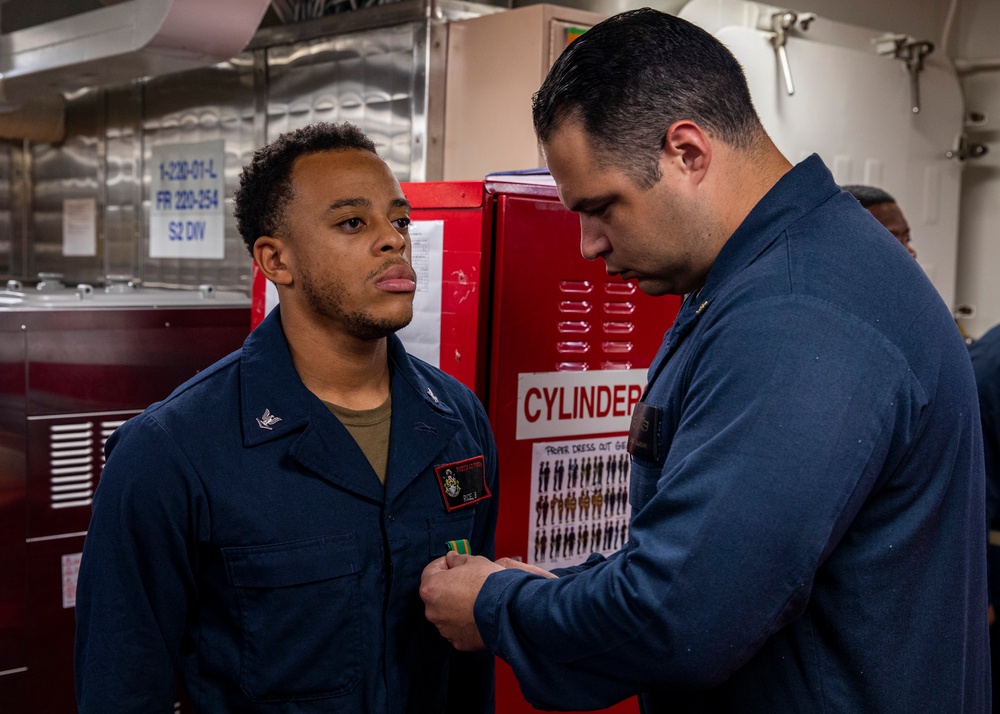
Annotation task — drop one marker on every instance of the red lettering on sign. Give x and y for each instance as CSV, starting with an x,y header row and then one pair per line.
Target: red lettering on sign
x,y
550,399
563,414
528,414
603,400
634,396
586,402
619,400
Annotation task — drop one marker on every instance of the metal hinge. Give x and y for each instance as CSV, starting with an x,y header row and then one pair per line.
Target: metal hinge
x,y
912,53
965,149
778,25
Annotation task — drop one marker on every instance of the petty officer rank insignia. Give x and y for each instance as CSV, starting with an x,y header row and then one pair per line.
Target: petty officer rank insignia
x,y
462,482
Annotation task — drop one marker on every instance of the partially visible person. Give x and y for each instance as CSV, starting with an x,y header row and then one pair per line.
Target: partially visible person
x,y
985,354
886,211
261,532
806,461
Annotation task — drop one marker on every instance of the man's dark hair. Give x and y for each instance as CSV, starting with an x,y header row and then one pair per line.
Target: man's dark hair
x,y
633,75
869,195
266,182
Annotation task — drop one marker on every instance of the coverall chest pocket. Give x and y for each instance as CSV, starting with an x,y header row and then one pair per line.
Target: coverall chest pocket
x,y
298,604
441,529
643,480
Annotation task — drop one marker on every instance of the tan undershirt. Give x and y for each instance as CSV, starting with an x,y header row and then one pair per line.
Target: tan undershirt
x,y
370,429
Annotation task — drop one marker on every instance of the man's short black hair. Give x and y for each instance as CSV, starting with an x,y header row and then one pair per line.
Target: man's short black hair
x,y
266,182
633,75
869,195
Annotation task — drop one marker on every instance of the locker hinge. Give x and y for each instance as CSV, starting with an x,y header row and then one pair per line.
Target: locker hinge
x,y
778,25
965,149
911,53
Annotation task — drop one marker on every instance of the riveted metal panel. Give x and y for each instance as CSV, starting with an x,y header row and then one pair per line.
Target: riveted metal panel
x,y
368,78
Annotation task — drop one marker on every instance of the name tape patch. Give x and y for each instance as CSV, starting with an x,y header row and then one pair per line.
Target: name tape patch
x,y
644,434
463,482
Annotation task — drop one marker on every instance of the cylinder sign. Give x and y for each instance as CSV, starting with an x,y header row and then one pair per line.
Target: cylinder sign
x,y
577,403
187,201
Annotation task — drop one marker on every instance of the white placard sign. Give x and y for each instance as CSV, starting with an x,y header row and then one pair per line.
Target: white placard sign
x,y
79,227
577,403
70,573
187,201
422,337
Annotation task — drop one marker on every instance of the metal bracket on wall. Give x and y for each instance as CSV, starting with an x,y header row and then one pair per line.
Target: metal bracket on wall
x,y
912,53
965,149
778,27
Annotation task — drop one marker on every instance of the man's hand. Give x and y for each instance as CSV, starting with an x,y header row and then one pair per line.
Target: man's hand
x,y
526,567
449,587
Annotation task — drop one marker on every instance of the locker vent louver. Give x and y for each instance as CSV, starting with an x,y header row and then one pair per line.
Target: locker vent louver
x,y
74,451
617,325
576,319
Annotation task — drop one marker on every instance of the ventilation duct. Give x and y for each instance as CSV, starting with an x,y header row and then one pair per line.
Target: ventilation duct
x,y
115,45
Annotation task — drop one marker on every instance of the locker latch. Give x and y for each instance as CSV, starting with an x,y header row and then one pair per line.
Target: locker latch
x,y
912,52
780,25
965,149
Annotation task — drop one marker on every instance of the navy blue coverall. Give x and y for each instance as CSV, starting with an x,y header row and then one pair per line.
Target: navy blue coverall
x,y
808,534
241,539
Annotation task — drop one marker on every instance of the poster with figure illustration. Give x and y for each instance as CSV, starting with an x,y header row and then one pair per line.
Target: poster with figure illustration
x,y
579,500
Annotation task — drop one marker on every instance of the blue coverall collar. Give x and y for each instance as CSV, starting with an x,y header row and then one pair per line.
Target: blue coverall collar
x,y
275,403
796,194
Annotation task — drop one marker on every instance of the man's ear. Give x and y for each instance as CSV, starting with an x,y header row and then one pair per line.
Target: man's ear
x,y
689,148
269,254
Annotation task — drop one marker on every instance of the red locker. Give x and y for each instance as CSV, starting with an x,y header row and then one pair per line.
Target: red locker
x,y
74,364
556,350
558,320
